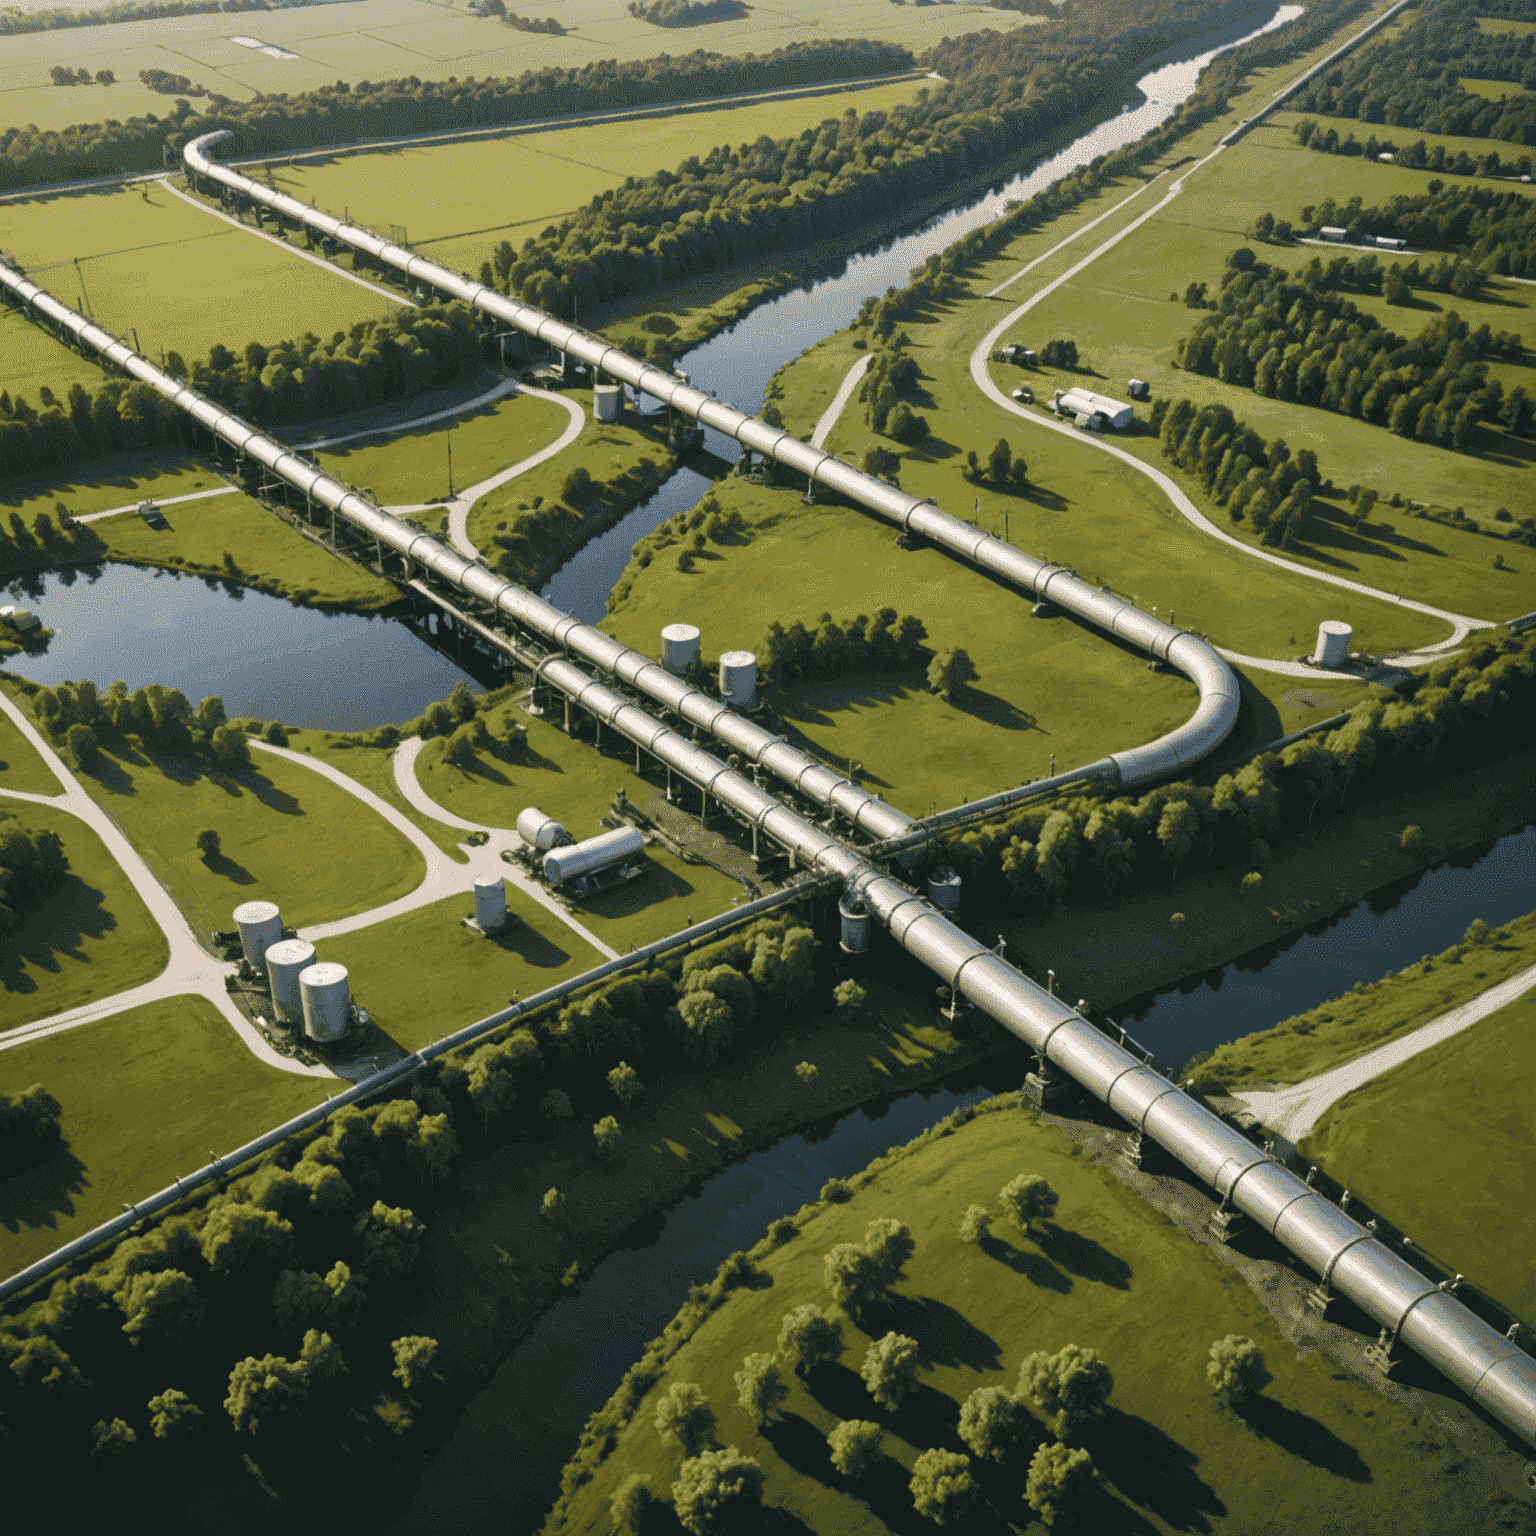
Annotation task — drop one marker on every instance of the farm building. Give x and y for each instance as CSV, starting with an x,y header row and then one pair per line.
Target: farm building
x,y
1331,232
1091,410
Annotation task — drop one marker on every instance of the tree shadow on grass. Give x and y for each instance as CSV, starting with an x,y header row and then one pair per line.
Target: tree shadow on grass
x,y
1303,1436
658,883
530,946
55,927
1083,1257
945,1337
1152,1469
660,1519
987,707
802,1446
37,1196
1035,1268
222,864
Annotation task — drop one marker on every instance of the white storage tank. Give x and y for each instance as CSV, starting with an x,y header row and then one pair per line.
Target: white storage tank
x,y
854,916
679,648
1333,639
286,960
540,831
490,903
607,402
259,925
327,1000
944,889
738,679
596,854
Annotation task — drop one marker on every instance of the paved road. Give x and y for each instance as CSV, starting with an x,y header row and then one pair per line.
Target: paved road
x,y
190,969
840,400
1294,1112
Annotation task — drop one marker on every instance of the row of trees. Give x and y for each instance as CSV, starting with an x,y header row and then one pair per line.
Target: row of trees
x,y
53,539
1415,156
1410,79
884,644
1289,337
32,867
684,13
1089,848
16,21
78,716
341,112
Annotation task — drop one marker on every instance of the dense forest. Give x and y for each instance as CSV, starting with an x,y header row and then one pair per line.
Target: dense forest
x,y
1411,80
12,22
1414,157
337,114
1294,336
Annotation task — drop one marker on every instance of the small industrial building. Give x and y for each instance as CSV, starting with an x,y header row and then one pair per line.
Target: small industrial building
x,y
1095,412
20,619
1387,243
1331,232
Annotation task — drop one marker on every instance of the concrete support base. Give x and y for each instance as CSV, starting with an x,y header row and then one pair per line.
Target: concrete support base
x,y
1143,1153
1224,1224
1380,1356
1043,1088
1322,1302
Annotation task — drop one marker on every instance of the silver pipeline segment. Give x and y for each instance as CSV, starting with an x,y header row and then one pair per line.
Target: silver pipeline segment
x,y
1216,714
1492,1371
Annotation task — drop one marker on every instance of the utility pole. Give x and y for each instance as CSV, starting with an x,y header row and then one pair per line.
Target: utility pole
x,y
84,296
448,438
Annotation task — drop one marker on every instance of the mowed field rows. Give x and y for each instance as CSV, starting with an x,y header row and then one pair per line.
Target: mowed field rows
x,y
395,39
457,201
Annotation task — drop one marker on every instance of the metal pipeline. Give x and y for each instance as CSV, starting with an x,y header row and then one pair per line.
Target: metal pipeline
x,y
1493,1371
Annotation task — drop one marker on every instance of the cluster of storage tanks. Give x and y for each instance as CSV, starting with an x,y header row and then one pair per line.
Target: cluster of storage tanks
x,y
314,994
567,860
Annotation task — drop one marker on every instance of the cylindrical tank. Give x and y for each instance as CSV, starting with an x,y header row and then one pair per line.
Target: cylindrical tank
x,y
260,925
855,925
327,1000
596,854
285,961
607,401
738,679
540,831
490,903
944,889
679,648
1333,639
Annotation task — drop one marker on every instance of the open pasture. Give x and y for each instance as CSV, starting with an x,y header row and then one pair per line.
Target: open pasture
x,y
395,39
182,277
138,1109
34,359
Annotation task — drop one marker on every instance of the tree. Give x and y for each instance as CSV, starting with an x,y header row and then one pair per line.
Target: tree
x,y
388,1238
626,1085
805,1071
761,1387
556,1107
414,1355
1060,1481
1068,1388
261,1389
950,670
1029,1201
629,1503
717,1491
684,1416
999,462
163,1304
549,1206
208,843
1176,832
992,1422
973,1225
230,747
890,1369
80,743
320,1355
853,1276
710,1024
889,1243
942,1486
173,1415
111,1440
1236,1369
808,1336
608,1136
855,1443
237,1236
849,994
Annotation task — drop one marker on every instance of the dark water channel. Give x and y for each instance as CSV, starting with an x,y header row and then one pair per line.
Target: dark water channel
x,y
501,1469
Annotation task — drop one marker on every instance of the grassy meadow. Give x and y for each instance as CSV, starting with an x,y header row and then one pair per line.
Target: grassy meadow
x,y
162,1058
1109,1273
22,768
1442,1144
91,938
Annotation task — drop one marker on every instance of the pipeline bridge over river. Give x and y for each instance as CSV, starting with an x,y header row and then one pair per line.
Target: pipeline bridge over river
x,y
860,840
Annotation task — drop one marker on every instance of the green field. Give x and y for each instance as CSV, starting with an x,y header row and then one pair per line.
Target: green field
x,y
1111,1274
1442,1144
424,975
287,835
91,938
33,358
120,481
458,201
184,278
393,39
1492,90
1378,1011
22,768
137,1111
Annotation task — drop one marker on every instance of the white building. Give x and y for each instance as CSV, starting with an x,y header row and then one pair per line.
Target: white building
x,y
1085,406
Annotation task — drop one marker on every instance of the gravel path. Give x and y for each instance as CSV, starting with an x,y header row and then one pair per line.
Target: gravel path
x,y
1295,1111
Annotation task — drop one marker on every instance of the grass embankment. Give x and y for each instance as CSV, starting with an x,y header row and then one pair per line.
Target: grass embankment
x,y
33,357
286,835
179,1056
1374,1013
1110,1274
91,938
1443,1145
1109,952
22,767
424,975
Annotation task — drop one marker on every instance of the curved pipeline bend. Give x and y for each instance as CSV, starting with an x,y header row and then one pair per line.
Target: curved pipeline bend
x,y
1492,1371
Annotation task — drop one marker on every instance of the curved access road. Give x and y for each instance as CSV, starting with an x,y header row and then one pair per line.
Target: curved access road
x,y
1294,1112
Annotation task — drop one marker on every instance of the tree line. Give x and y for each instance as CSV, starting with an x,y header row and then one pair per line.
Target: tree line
x,y
884,644
14,22
1411,80
32,867
342,112
1089,847
1293,336
684,13
53,539
1414,157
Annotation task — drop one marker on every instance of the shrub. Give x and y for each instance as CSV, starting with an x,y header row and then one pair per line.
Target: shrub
x,y
806,1072
1478,932
608,1135
549,1206
626,1085
1251,883
855,1443
1236,1369
414,1355
849,994
973,1225
684,1417
1029,1201
836,1191
890,1370
1412,840
1059,1481
173,1414
942,1487
111,1440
